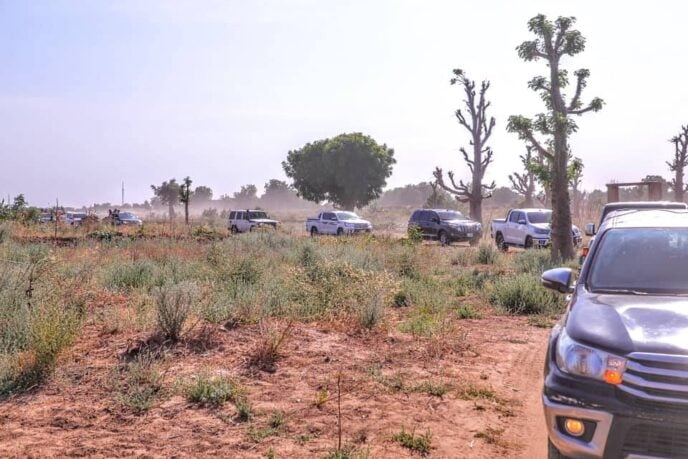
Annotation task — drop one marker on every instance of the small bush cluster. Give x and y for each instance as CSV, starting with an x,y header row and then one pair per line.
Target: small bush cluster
x,y
523,294
212,390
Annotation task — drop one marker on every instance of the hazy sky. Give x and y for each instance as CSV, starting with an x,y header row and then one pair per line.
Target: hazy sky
x,y
96,92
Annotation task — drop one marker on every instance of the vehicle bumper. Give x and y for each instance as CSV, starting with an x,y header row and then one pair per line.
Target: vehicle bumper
x,y
463,236
571,446
541,241
622,427
357,230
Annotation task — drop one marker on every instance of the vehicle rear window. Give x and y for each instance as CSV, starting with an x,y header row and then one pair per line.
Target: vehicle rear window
x,y
539,217
254,215
232,215
649,260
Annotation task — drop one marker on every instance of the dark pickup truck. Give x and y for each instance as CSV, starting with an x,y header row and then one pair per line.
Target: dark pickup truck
x,y
616,371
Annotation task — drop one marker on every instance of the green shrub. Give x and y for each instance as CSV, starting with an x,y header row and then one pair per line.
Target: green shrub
x,y
467,312
139,383
534,261
487,254
207,389
174,305
371,311
401,299
523,294
4,232
130,275
420,324
418,443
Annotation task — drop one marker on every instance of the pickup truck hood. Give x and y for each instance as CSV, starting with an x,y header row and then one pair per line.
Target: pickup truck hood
x,y
541,226
263,220
631,323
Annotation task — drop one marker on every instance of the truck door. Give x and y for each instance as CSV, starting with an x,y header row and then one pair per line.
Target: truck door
x,y
511,227
329,223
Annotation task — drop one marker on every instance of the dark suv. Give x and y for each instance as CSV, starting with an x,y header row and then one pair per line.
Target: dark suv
x,y
445,225
616,371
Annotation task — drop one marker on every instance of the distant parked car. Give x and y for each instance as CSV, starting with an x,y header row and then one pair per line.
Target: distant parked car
x,y
45,217
242,221
123,218
446,226
74,218
337,222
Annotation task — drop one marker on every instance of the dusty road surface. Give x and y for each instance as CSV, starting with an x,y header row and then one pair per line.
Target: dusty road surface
x,y
475,392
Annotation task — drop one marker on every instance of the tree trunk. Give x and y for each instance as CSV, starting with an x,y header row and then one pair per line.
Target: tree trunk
x,y
562,240
530,191
186,213
171,211
679,188
476,198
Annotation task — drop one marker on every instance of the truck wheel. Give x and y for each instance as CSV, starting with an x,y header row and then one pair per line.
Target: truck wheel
x,y
234,229
314,231
529,243
499,240
444,240
340,231
553,452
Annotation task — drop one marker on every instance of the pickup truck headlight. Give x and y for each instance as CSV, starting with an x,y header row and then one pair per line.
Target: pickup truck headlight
x,y
349,225
580,360
541,231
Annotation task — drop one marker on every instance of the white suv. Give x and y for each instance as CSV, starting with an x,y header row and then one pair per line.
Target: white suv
x,y
242,221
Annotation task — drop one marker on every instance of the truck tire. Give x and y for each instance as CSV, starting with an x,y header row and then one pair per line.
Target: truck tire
x,y
499,241
442,237
553,452
528,243
234,229
314,231
340,231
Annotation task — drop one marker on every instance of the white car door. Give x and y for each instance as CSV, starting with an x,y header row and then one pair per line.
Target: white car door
x,y
329,223
242,222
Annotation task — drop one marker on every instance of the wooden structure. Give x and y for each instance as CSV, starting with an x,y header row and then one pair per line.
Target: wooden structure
x,y
654,190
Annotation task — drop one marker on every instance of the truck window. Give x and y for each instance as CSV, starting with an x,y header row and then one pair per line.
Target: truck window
x,y
514,216
328,216
415,215
651,260
539,217
232,214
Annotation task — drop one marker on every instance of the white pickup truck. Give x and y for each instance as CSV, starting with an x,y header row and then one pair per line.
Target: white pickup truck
x,y
526,228
337,222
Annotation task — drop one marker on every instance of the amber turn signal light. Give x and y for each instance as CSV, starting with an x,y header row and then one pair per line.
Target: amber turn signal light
x,y
613,377
574,427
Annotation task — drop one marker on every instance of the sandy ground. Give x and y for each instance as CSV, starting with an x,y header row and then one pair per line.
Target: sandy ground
x,y
76,414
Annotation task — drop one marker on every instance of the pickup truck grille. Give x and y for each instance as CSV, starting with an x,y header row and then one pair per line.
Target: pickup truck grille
x,y
652,440
657,378
360,226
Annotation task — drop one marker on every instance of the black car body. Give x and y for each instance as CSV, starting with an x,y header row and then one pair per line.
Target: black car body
x,y
445,225
616,371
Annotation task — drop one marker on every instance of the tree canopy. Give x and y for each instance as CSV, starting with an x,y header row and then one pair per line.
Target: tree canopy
x,y
349,170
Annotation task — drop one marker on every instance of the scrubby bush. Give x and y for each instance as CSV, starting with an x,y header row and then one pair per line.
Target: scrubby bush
x,y
523,294
4,232
175,303
534,261
213,390
487,254
138,383
124,275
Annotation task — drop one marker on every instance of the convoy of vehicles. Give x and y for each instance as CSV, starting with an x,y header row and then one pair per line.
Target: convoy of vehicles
x,y
243,221
527,228
118,218
337,222
616,371
445,225
74,218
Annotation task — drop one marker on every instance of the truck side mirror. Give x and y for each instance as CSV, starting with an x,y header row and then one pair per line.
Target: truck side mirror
x,y
590,229
558,279
435,219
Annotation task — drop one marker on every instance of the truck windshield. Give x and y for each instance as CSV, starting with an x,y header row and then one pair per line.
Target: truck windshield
x,y
539,217
254,215
451,215
641,260
346,216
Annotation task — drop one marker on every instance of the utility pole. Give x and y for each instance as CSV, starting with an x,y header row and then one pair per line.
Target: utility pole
x,y
122,193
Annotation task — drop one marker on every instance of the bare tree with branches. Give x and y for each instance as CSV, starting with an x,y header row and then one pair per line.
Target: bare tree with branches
x,y
480,127
679,163
524,183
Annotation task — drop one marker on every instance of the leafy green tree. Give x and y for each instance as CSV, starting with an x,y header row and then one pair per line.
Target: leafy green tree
x,y
349,170
678,165
480,129
247,195
168,194
203,194
20,203
185,193
553,40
